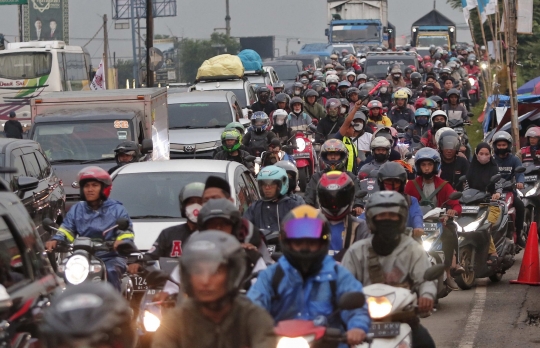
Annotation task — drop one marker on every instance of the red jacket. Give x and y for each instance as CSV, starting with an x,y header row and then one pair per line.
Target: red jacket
x,y
442,196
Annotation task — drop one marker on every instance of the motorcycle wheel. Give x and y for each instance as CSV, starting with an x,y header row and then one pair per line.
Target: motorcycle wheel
x,y
474,99
303,179
496,277
527,222
466,280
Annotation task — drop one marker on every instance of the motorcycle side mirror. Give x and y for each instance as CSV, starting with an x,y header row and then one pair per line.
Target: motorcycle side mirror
x,y
126,248
495,178
408,155
455,195
156,278
463,178
520,170
312,128
416,138
289,150
434,272
250,158
361,194
47,224
258,160
351,300
122,224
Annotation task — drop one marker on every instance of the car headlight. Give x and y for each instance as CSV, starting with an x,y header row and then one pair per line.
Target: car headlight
x,y
475,224
380,306
77,269
293,342
301,144
218,143
151,322
471,81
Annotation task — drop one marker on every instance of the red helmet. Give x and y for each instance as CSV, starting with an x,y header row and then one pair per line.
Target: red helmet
x,y
413,68
94,173
419,103
427,58
335,193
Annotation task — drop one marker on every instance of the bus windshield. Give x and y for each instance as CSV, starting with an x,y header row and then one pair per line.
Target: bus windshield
x,y
82,141
428,40
25,65
355,33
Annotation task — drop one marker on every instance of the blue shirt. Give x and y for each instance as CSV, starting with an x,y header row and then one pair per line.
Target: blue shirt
x,y
336,236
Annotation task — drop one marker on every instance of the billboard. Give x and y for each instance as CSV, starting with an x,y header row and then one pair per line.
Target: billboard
x,y
46,20
263,45
167,72
123,9
13,2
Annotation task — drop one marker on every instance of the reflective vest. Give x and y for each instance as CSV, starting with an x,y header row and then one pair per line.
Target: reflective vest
x,y
353,154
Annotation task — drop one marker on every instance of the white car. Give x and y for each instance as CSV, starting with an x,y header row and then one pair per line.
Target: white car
x,y
149,191
242,88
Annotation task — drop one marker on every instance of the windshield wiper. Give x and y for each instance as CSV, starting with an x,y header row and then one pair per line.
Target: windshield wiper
x,y
65,160
98,160
152,217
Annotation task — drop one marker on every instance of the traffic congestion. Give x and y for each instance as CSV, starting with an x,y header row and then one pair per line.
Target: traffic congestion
x,y
329,198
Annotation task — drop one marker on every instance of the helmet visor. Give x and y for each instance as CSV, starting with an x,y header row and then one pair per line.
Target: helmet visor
x,y
303,228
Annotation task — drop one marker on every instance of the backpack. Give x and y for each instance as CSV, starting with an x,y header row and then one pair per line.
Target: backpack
x,y
258,143
426,201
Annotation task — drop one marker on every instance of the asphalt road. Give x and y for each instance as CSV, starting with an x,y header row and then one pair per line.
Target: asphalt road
x,y
488,315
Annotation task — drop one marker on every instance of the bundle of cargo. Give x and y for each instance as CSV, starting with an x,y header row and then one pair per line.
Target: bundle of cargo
x,y
251,60
222,67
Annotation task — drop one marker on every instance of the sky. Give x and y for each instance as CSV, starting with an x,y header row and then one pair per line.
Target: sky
x,y
295,19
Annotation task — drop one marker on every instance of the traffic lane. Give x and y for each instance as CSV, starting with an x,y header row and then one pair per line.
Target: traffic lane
x,y
489,315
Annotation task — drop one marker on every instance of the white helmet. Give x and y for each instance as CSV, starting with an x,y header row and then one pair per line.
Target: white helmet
x,y
279,112
439,113
379,142
441,131
351,73
332,79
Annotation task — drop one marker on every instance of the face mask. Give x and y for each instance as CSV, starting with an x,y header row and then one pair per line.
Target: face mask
x,y
484,159
383,90
397,76
386,236
297,109
421,121
380,157
501,152
192,212
438,125
280,122
332,88
343,110
358,127
263,98
297,92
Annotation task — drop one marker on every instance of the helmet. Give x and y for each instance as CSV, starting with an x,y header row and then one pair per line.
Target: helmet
x,y
282,98
94,173
351,73
374,104
333,103
334,56
401,94
427,153
436,99
362,76
389,133
291,170
238,126
446,70
533,132
318,87
344,102
439,113
332,79
339,68
380,142
408,70
305,222
278,84
93,313
193,189
504,136
310,93
344,83
395,70
452,91
429,103
318,75
422,112
297,85
274,174
442,131
297,100
392,170
279,113
335,194
304,81
259,121
129,148
359,115
351,91
261,90
416,77
418,103
220,208
427,58
386,201
213,249
448,141
334,146
231,134
302,74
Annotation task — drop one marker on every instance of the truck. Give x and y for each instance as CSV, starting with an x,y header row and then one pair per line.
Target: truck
x,y
363,23
80,129
432,29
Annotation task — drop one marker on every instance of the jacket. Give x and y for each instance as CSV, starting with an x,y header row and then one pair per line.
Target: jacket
x,y
246,325
268,107
299,122
310,196
442,195
241,158
309,298
13,129
405,113
170,242
267,215
456,113
530,154
507,167
408,262
328,128
315,111
428,139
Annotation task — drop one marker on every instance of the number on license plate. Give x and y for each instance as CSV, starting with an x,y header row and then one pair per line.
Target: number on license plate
x,y
430,227
301,155
385,329
469,209
530,178
139,283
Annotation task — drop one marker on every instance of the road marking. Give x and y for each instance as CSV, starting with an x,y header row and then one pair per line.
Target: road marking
x,y
473,322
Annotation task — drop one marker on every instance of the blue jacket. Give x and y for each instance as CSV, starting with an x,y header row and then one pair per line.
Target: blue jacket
x,y
507,167
268,215
299,299
84,221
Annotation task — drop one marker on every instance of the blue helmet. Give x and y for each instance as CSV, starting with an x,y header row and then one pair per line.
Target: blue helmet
x,y
427,153
274,174
422,112
259,121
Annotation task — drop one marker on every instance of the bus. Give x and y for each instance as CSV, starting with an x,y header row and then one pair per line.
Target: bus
x,y
30,69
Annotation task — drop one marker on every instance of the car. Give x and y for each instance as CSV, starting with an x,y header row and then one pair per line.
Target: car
x,y
242,88
287,70
34,182
267,77
197,119
149,191
377,63
338,47
309,60
323,50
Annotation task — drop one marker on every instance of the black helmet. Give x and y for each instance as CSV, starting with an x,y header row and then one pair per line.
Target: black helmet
x,y
220,208
213,249
392,170
263,92
297,100
437,99
386,201
318,87
129,148
351,91
91,313
291,170
282,98
416,77
193,189
335,194
310,93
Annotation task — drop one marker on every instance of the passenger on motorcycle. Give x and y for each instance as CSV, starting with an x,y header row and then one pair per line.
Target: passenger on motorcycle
x,y
421,124
376,114
126,152
401,111
439,119
453,108
279,128
328,126
93,215
275,154
292,173
263,104
430,190
531,152
230,149
380,153
346,132
392,257
507,162
267,212
312,107
361,138
362,78
298,120
306,272
453,165
259,137
213,270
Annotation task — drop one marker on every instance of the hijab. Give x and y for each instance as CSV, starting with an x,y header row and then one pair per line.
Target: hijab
x,y
479,175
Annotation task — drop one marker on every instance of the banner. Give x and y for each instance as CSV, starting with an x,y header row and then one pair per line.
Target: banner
x,y
99,83
46,20
13,2
491,7
525,16
467,6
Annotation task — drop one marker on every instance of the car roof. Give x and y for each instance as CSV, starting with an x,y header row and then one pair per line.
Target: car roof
x,y
282,62
74,115
9,142
179,165
200,96
239,84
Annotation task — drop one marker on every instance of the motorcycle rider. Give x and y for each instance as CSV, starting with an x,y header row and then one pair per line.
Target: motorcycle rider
x,y
305,235
311,107
298,120
351,77
280,129
230,144
361,139
375,114
275,154
401,111
328,126
421,124
282,102
453,166
472,68
392,257
292,173
347,132
343,86
213,270
259,137
278,87
429,189
297,89
353,94
380,152
439,119
416,84
531,152
395,78
507,162
103,319
267,212
126,152
263,104
332,82
93,215
453,108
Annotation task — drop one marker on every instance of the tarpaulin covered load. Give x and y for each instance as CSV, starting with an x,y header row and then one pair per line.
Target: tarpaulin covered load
x,y
251,60
223,66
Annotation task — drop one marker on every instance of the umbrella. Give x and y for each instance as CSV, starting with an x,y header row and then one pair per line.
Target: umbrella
x,y
529,86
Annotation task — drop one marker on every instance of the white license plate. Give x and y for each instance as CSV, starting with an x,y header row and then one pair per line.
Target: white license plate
x,y
430,226
469,209
301,155
139,283
530,178
380,330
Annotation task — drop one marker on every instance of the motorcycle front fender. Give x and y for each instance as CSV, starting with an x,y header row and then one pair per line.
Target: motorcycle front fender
x,y
302,162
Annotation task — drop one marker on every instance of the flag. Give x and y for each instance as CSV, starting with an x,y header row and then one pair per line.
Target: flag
x,y
467,6
98,83
491,7
482,9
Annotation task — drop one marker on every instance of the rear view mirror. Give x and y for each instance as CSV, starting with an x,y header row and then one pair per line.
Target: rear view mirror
x,y
455,195
147,146
352,300
495,178
26,183
122,224
463,178
520,170
47,224
434,272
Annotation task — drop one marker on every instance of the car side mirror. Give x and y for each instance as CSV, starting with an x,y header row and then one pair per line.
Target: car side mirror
x,y
122,224
26,183
495,178
147,146
455,195
434,272
520,170
351,300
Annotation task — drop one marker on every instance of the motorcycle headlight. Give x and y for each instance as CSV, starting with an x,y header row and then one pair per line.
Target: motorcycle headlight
x,y
475,224
471,81
151,322
532,191
427,244
294,342
379,307
77,269
301,144
483,66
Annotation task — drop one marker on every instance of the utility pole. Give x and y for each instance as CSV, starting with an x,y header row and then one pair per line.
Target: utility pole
x,y
20,10
227,19
149,42
511,20
134,45
105,51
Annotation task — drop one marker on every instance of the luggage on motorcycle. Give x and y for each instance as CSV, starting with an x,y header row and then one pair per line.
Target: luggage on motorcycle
x,y
251,60
221,67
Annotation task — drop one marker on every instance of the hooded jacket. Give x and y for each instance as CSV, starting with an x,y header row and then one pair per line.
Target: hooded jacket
x,y
315,111
267,215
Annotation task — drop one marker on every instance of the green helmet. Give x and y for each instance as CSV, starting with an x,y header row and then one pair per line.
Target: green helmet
x,y
238,126
231,134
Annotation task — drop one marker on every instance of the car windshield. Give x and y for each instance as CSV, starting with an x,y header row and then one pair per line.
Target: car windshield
x,y
20,66
199,115
436,40
355,33
160,191
286,72
82,141
379,67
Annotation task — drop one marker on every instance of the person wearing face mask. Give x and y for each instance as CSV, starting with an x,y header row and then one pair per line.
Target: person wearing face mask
x,y
264,103
453,166
297,89
438,121
472,68
298,120
395,78
507,162
431,190
311,107
421,124
391,257
332,82
344,109
343,86
346,133
292,173
531,152
380,152
401,111
328,125
361,138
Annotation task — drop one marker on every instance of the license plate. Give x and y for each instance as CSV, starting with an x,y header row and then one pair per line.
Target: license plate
x,y
271,248
469,209
430,226
301,155
139,283
530,178
380,330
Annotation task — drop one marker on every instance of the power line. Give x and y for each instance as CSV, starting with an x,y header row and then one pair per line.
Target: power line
x,y
93,37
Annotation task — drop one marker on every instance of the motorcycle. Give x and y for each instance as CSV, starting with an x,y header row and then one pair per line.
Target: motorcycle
x,y
530,195
474,92
304,155
82,265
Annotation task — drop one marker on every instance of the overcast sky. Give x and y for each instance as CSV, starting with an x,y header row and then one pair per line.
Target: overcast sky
x,y
303,19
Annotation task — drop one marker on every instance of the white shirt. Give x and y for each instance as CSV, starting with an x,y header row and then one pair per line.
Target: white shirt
x,y
363,142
